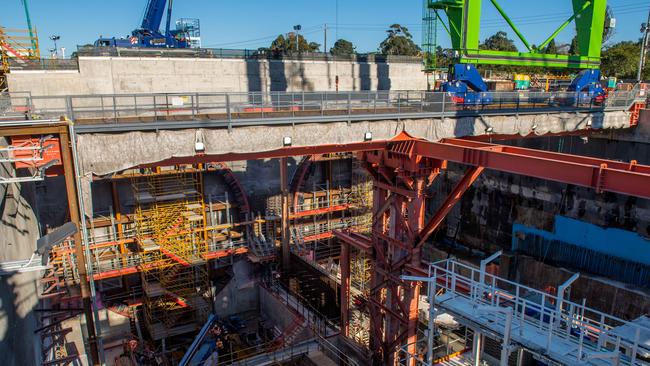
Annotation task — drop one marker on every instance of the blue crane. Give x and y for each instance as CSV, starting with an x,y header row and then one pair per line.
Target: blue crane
x,y
148,35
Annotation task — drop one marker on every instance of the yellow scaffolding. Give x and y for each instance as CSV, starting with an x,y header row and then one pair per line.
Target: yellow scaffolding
x,y
171,230
360,272
361,197
18,43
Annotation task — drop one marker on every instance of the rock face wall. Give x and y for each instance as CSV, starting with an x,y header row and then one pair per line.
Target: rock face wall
x,y
116,75
19,231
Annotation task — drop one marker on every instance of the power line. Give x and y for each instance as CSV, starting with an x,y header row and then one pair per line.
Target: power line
x,y
266,38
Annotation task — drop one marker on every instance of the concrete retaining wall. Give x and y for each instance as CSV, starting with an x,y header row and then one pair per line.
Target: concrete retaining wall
x,y
116,75
104,153
18,292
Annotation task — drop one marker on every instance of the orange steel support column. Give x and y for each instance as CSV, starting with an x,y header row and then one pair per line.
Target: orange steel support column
x,y
71,190
376,317
345,289
416,215
397,220
284,224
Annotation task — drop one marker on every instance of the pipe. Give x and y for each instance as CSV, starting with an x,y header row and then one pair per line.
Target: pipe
x,y
85,258
644,40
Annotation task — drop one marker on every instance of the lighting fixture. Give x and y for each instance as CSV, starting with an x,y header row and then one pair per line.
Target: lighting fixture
x,y
286,141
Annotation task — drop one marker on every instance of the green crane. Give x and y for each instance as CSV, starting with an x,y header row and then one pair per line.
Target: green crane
x,y
464,23
32,37
463,26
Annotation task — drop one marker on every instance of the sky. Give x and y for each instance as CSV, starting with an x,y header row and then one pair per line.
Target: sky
x,y
255,23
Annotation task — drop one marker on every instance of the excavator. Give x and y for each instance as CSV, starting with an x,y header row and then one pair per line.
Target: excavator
x,y
148,35
463,21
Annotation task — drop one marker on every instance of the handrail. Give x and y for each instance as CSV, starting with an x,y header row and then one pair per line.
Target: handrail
x,y
134,111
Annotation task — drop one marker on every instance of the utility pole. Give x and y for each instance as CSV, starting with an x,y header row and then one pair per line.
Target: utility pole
x,y
645,29
325,40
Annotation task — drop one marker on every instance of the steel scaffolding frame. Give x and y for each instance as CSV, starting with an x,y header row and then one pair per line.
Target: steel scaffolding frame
x,y
170,226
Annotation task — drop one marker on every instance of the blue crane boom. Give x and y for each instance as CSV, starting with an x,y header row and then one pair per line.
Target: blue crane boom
x,y
153,14
148,34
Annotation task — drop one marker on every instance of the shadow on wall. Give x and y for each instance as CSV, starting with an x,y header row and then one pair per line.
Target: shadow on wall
x,y
278,75
297,76
383,76
261,180
17,319
253,75
18,292
364,76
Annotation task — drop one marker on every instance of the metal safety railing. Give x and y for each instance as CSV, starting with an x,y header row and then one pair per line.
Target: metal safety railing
x,y
246,54
142,111
541,321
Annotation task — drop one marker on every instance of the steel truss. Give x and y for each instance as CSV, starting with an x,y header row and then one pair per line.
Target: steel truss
x,y
401,171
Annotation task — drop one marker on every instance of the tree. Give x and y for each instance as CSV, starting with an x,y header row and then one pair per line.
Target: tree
x,y
444,57
551,48
622,60
287,45
573,48
399,42
499,42
608,32
343,47
314,47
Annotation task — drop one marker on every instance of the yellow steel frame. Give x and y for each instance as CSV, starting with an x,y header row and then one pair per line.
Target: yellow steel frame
x,y
170,223
20,41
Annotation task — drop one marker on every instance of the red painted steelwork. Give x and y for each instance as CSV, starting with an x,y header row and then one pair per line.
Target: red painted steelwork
x,y
48,155
325,235
461,187
402,170
272,154
357,240
602,175
225,253
233,182
115,273
298,179
319,211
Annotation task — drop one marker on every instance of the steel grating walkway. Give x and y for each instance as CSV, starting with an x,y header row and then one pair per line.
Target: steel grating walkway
x,y
548,326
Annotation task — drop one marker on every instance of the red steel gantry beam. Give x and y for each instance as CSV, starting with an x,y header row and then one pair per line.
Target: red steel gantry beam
x,y
401,171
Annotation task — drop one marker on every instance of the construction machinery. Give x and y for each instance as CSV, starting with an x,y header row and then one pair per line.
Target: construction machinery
x,y
148,35
466,85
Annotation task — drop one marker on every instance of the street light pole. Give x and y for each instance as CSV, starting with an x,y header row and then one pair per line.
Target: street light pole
x,y
645,29
297,29
55,38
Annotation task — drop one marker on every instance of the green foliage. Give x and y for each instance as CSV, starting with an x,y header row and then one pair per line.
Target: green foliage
x,y
551,48
622,60
342,47
499,42
399,42
444,57
288,45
